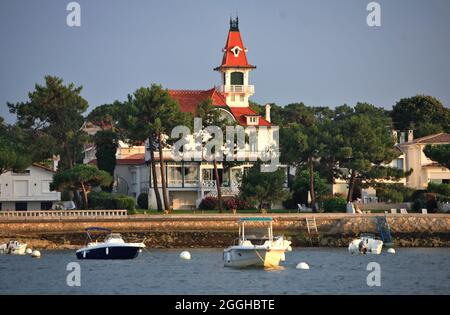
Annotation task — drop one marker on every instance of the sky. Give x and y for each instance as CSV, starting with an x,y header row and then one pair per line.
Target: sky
x,y
320,52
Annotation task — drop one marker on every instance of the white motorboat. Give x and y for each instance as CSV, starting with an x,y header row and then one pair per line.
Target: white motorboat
x,y
256,249
13,248
114,247
365,244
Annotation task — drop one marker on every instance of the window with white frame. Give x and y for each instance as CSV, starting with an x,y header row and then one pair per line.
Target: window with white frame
x,y
252,120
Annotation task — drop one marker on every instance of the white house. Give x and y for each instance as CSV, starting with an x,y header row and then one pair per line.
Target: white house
x,y
188,182
411,157
28,190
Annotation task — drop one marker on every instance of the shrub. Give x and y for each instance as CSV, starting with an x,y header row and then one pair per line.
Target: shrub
x,y
334,204
300,189
66,195
209,203
236,203
440,189
395,193
105,200
390,196
426,201
142,200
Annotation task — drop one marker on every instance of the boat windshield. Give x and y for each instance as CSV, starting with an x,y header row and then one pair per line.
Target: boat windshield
x,y
367,235
114,236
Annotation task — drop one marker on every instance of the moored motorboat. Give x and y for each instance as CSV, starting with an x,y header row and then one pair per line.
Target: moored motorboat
x,y
113,247
13,248
256,250
365,244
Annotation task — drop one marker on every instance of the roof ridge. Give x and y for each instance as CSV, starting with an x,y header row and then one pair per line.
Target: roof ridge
x,y
429,137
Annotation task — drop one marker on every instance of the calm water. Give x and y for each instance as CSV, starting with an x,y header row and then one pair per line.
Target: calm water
x,y
333,271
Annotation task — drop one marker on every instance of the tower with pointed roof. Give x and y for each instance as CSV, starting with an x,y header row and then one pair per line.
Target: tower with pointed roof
x,y
235,69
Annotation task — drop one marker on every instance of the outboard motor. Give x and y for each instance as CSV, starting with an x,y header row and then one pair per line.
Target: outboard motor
x,y
362,247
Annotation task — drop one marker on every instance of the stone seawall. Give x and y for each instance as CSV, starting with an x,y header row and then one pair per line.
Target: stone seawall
x,y
220,230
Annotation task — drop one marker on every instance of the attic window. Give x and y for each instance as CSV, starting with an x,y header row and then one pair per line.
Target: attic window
x,y
252,120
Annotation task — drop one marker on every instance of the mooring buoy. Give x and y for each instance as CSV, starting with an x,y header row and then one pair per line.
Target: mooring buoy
x,y
302,265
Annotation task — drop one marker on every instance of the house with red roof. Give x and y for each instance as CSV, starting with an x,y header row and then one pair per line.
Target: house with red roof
x,y
188,182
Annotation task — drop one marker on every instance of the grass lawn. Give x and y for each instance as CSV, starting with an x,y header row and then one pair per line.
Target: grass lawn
x,y
249,211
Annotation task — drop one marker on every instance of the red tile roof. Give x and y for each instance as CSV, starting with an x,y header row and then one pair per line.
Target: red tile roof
x,y
190,99
240,114
230,60
439,138
134,159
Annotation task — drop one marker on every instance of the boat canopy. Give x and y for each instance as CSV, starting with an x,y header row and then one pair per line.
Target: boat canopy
x,y
255,219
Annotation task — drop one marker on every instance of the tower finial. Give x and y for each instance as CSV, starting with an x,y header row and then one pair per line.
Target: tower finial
x,y
234,24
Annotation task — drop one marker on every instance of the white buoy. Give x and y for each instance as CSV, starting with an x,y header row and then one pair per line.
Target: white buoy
x,y
28,251
36,254
391,251
185,255
303,266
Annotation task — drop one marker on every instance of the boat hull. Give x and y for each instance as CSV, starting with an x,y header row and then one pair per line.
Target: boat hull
x,y
109,252
243,258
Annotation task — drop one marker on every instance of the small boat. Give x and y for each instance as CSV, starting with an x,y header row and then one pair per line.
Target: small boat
x,y
113,247
257,247
365,244
13,248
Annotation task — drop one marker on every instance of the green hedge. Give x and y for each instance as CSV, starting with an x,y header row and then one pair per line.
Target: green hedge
x,y
142,201
105,200
334,204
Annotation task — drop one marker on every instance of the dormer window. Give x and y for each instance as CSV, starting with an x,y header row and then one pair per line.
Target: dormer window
x,y
252,120
236,50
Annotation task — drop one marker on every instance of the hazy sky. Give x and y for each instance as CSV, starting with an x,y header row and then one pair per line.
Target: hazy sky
x,y
318,52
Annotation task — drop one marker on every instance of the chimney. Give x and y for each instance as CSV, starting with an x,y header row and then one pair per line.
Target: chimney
x,y
395,136
410,135
55,162
268,112
402,137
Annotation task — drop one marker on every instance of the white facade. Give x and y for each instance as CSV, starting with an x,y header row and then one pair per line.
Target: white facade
x,y
28,190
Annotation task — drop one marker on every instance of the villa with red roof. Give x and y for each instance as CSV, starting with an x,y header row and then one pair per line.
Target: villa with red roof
x,y
188,182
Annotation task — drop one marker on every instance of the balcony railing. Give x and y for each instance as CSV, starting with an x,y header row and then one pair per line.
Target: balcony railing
x,y
247,89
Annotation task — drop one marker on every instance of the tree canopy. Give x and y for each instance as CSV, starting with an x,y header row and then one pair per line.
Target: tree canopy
x,y
52,117
82,178
439,153
424,114
259,187
367,146
13,156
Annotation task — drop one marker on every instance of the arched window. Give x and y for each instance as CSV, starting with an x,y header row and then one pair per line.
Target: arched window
x,y
237,78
